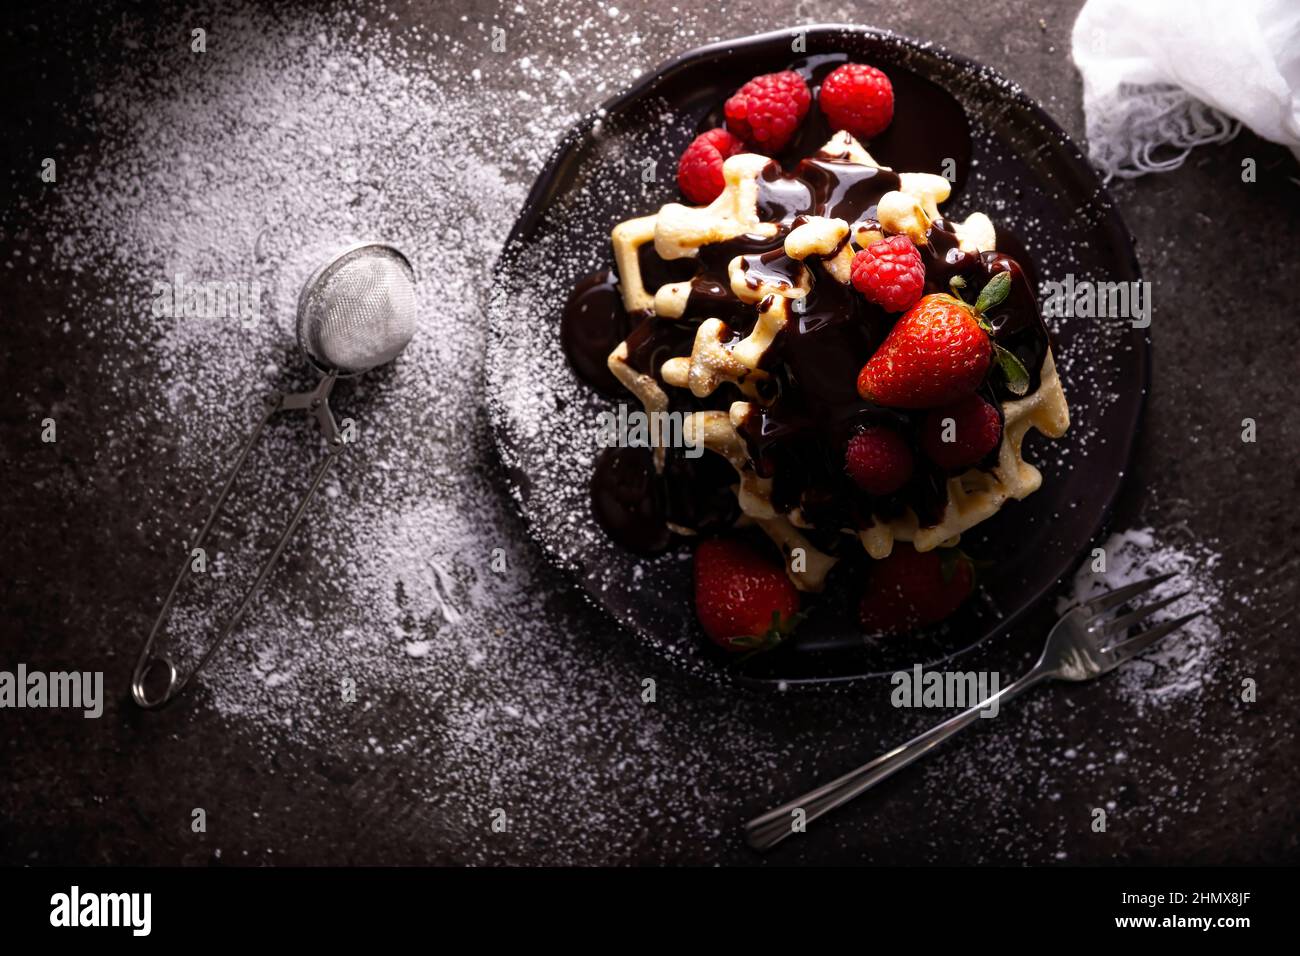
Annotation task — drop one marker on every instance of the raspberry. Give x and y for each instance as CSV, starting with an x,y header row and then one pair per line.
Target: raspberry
x,y
878,460
976,430
890,273
858,98
699,171
767,110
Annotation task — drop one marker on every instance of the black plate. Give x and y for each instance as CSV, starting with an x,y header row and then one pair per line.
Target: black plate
x,y
620,162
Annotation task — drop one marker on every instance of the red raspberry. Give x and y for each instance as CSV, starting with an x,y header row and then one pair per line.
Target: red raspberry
x,y
976,431
767,110
878,460
699,171
890,273
858,98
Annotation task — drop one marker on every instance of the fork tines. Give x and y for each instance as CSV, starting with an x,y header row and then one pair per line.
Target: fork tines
x,y
1104,602
1118,627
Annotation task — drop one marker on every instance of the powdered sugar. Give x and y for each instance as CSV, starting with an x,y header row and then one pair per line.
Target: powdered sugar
x,y
410,603
1185,662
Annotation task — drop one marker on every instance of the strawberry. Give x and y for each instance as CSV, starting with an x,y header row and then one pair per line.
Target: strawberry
x,y
939,352
744,601
910,589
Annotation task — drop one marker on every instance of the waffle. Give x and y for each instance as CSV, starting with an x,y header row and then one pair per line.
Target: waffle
x,y
717,356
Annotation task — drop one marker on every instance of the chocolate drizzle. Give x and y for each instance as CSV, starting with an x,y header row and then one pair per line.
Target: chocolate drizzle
x,y
834,188
798,439
635,505
593,324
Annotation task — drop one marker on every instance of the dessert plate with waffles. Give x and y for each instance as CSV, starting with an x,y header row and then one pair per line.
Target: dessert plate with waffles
x,y
781,369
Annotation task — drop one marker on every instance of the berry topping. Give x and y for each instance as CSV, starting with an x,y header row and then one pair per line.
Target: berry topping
x,y
961,434
878,460
699,171
910,589
935,354
940,351
767,110
744,600
858,98
890,273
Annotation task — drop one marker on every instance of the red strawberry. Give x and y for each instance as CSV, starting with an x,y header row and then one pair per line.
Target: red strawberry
x,y
699,171
878,460
858,98
744,601
767,110
935,354
910,589
939,351
890,273
976,430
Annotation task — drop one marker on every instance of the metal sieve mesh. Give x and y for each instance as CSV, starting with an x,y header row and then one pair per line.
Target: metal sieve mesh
x,y
358,311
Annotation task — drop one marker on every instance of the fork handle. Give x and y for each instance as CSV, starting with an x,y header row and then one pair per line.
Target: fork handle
x,y
766,831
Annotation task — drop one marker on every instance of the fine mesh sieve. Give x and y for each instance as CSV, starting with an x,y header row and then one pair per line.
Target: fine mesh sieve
x,y
356,312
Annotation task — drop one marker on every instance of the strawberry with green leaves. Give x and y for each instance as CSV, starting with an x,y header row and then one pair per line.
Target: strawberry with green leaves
x,y
744,600
940,351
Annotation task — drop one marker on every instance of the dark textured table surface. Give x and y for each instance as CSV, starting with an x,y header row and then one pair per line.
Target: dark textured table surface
x,y
1207,778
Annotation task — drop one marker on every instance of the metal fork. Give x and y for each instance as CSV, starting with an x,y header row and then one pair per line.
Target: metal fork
x,y
1084,644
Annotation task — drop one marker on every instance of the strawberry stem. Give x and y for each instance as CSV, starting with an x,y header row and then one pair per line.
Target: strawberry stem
x,y
776,633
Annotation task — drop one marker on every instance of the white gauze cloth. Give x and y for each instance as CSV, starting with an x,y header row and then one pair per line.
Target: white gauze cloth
x,y
1163,76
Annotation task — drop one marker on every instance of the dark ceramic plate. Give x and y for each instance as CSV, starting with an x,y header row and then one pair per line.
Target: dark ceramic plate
x,y
1051,212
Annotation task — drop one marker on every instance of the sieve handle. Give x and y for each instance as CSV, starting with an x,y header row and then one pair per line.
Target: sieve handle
x,y
317,403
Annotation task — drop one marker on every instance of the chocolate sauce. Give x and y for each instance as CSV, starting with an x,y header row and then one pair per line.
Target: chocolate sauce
x,y
773,268
712,298
593,323
655,340
635,505
656,271
834,188
711,295
628,499
798,438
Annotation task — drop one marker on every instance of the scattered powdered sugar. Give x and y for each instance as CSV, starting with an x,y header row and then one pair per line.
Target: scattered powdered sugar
x,y
280,147
411,586
1184,662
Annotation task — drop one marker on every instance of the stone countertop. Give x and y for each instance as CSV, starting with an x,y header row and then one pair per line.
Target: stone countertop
x,y
1210,781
